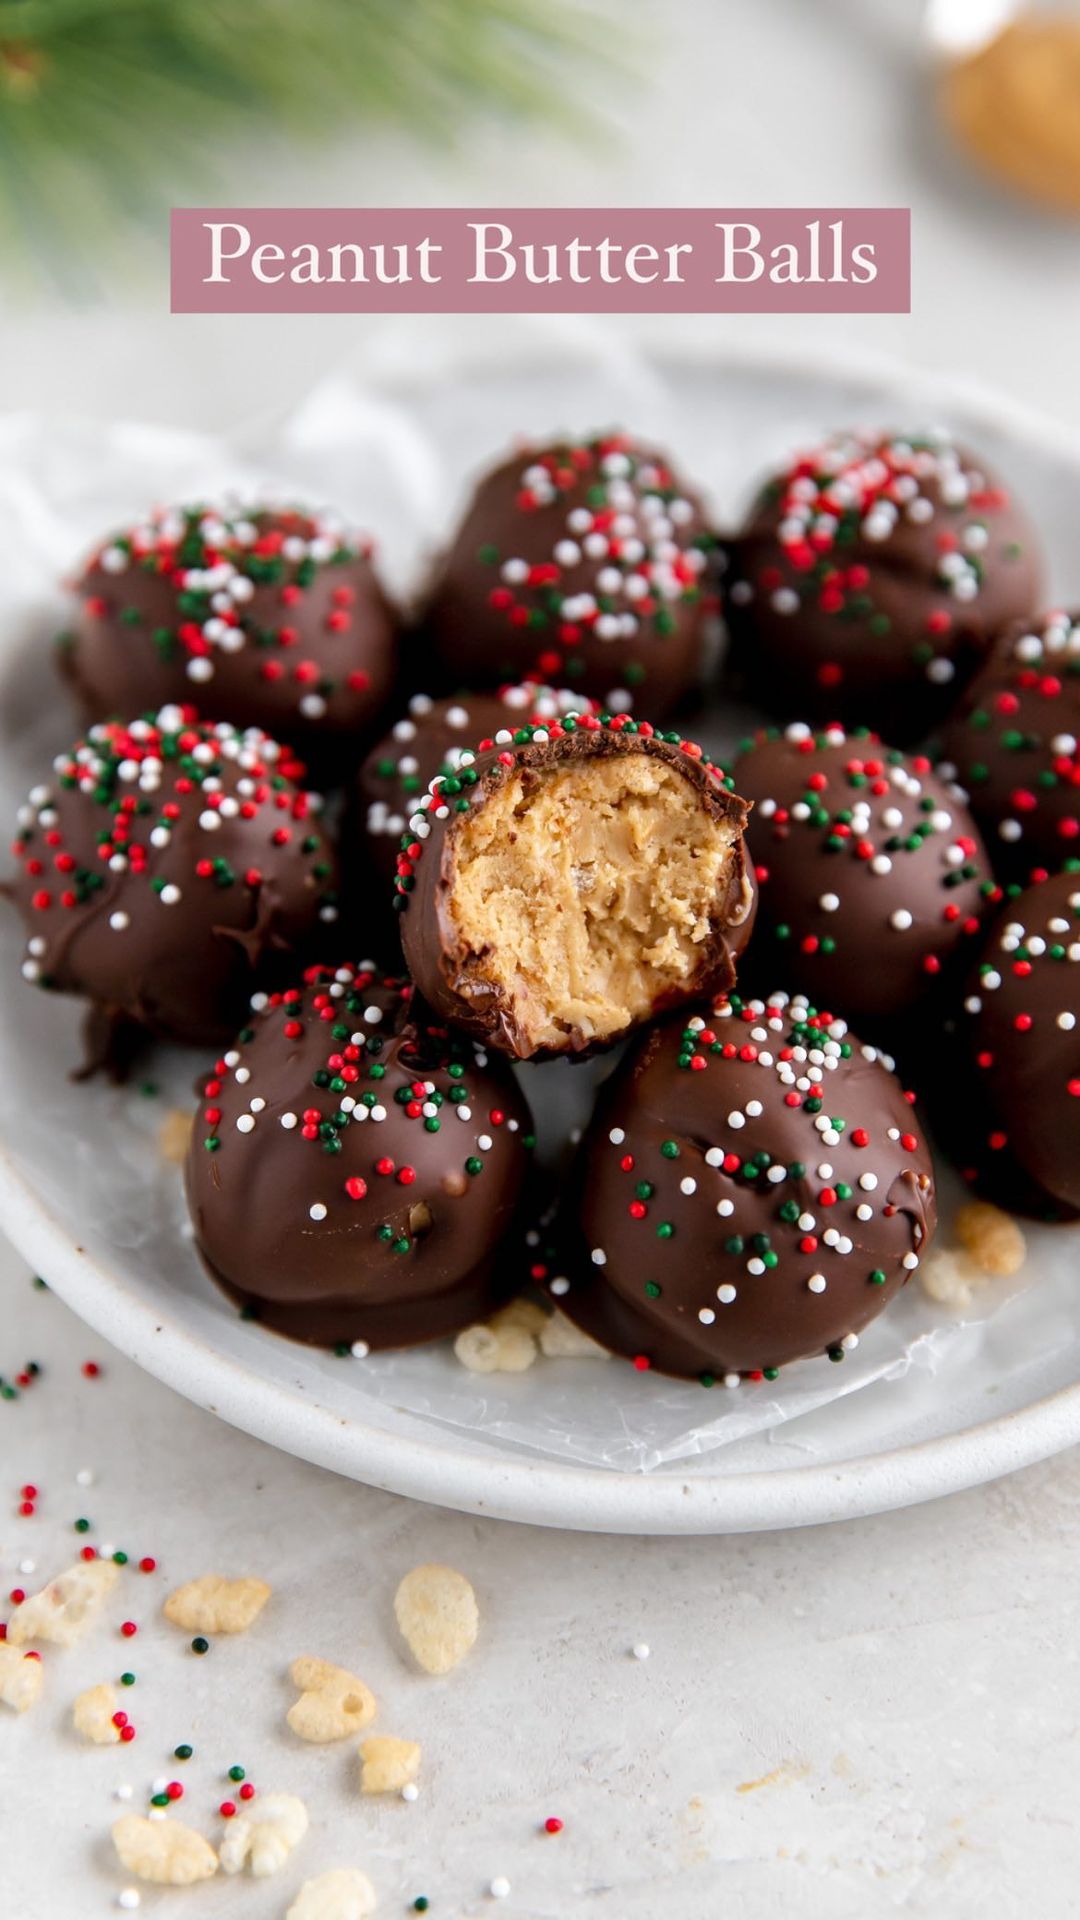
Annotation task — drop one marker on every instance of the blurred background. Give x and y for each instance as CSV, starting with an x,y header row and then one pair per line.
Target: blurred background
x,y
109,113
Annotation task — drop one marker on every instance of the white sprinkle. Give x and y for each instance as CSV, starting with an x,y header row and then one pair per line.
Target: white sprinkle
x,y
725,1294
736,1120
706,1315
688,1185
714,1157
317,1211
901,919
817,1283
829,902
246,1123
118,921
598,1257
410,1791
732,1380
559,1287
359,1349
616,1136
288,1121
725,1207
868,1181
130,1899
641,1650
122,1793
84,1477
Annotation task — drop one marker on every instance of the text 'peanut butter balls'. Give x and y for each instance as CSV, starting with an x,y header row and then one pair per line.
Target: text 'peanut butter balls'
x,y
354,1173
870,578
561,889
583,563
753,1189
268,617
164,865
871,872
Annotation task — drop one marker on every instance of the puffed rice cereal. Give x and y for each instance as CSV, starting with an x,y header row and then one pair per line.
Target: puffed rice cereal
x,y
561,1340
333,1703
264,1834
386,1764
174,1135
21,1678
64,1609
92,1715
342,1894
992,1238
487,1348
437,1615
212,1604
163,1851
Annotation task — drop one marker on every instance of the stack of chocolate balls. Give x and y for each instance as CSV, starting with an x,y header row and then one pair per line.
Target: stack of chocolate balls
x,y
547,869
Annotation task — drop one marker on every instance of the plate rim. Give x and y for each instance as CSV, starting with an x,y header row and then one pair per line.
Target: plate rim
x,y
535,1490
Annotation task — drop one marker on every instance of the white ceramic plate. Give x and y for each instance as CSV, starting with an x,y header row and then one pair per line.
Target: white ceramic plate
x,y
83,1193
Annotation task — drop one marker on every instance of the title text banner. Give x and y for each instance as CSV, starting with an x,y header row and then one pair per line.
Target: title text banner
x,y
541,260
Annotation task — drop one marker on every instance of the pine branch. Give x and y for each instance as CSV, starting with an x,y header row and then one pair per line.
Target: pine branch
x,y
110,108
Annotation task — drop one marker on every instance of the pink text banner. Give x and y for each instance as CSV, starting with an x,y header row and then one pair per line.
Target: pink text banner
x,y
541,260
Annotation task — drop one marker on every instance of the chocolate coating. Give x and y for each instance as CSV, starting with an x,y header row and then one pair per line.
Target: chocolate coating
x,y
1022,1026
165,866
870,578
752,1189
428,741
448,973
1013,745
582,564
871,873
270,618
336,1232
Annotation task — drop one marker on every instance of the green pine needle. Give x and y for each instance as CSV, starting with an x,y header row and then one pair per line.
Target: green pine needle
x,y
110,108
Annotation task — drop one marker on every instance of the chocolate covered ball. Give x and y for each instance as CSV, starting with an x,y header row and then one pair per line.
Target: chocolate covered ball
x,y
580,563
562,888
1014,745
354,1172
272,618
871,577
753,1189
429,740
163,865
871,872
1022,1026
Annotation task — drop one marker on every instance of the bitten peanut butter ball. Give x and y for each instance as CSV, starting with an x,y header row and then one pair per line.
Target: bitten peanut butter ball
x,y
579,563
429,740
871,872
1013,743
561,889
1022,1026
269,617
355,1173
871,577
753,1189
165,865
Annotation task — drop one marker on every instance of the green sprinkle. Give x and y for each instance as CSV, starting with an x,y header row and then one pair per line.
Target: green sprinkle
x,y
199,1645
183,1753
127,1679
237,1773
